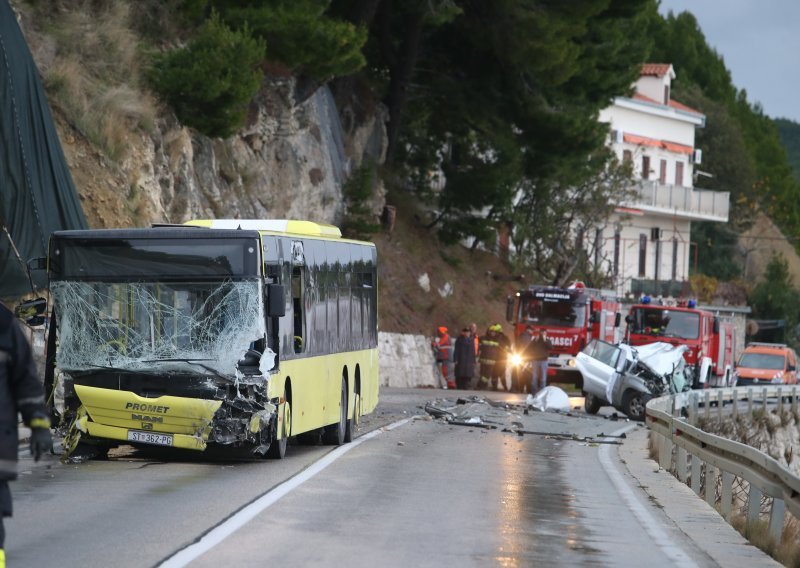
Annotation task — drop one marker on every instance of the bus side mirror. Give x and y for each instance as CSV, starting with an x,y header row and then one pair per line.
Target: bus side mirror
x,y
31,311
276,307
716,325
617,319
510,308
629,319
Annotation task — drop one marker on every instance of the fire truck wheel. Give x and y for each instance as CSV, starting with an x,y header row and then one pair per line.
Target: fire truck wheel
x,y
591,403
633,404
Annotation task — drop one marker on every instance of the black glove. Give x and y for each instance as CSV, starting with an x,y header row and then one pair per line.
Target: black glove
x,y
41,442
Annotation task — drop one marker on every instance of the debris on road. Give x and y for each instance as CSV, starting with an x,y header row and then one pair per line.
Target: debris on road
x,y
487,414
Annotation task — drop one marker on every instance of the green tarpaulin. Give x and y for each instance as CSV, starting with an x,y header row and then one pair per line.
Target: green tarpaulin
x,y
37,195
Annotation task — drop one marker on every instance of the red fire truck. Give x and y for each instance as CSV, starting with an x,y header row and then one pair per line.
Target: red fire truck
x,y
711,339
570,317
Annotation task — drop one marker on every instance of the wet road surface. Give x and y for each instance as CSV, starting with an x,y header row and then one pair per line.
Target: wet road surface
x,y
425,493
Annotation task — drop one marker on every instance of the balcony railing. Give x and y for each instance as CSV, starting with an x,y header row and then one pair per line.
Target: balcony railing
x,y
666,288
701,204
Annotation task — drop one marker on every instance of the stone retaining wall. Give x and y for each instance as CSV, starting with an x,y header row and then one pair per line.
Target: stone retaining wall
x,y
405,360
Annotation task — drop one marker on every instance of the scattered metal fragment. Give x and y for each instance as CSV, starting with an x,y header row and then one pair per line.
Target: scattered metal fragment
x,y
437,412
473,424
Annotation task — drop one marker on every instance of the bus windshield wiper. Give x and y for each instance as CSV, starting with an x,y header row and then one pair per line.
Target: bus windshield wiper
x,y
193,362
121,370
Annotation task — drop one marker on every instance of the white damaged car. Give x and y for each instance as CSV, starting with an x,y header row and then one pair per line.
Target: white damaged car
x,y
627,377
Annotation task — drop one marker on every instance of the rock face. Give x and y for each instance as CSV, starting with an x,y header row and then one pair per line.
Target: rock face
x,y
290,161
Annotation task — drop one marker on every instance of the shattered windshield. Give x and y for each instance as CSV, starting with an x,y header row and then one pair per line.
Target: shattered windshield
x,y
666,323
679,379
185,326
564,313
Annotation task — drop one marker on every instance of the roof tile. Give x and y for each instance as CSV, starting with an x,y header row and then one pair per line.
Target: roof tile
x,y
655,69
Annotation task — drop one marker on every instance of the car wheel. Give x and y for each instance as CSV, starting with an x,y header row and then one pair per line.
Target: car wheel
x,y
633,404
591,403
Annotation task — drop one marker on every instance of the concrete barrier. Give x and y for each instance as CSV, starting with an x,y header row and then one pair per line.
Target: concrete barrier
x,y
405,360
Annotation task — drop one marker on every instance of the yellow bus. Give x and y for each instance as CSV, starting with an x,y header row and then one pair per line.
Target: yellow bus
x,y
231,333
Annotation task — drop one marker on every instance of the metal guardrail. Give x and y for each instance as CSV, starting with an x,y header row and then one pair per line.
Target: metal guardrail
x,y
702,459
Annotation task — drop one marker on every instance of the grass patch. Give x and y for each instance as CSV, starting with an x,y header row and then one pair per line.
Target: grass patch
x,y
94,78
450,259
786,551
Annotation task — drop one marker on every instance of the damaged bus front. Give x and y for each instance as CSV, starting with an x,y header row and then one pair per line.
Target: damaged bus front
x,y
163,337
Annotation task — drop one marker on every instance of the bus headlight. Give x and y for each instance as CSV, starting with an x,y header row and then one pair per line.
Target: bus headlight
x,y
516,359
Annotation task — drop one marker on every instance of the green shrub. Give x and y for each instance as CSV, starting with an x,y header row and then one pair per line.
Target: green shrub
x,y
210,81
359,222
300,35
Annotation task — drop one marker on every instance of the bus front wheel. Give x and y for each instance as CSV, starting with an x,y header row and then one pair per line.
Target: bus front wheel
x,y
277,448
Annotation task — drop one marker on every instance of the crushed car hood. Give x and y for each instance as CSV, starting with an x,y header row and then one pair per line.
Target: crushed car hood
x,y
660,358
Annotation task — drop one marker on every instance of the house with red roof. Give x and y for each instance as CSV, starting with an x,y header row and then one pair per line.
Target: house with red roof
x,y
646,245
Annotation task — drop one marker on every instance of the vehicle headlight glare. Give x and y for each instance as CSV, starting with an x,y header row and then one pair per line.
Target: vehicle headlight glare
x,y
516,359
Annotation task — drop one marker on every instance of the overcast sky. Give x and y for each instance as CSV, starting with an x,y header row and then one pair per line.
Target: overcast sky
x,y
760,43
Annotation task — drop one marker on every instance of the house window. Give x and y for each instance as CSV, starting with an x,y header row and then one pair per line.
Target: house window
x,y
627,157
617,243
662,177
666,94
642,254
645,167
679,173
674,258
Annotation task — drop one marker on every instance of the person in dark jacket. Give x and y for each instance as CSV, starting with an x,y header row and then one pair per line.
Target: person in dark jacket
x,y
21,392
464,356
487,357
521,375
537,353
503,350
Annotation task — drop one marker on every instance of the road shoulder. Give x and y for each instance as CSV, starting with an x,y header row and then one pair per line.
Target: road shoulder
x,y
691,514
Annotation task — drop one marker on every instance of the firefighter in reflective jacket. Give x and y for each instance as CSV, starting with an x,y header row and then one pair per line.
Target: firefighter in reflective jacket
x,y
21,392
488,356
443,352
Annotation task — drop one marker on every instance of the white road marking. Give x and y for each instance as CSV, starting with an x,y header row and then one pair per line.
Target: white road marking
x,y
647,520
247,513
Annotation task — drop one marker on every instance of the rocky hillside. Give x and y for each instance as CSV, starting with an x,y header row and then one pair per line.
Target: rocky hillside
x,y
292,160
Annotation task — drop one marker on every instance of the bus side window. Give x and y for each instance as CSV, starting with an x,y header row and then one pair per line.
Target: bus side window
x,y
297,309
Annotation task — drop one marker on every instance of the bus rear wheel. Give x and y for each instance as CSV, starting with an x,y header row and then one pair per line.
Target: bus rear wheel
x,y
335,433
277,448
352,423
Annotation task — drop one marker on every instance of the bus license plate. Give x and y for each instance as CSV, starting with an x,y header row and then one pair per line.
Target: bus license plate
x,y
150,438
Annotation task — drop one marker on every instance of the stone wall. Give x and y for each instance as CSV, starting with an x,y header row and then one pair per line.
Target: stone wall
x,y
405,360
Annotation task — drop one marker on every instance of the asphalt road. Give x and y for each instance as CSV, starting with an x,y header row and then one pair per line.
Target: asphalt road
x,y
409,491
